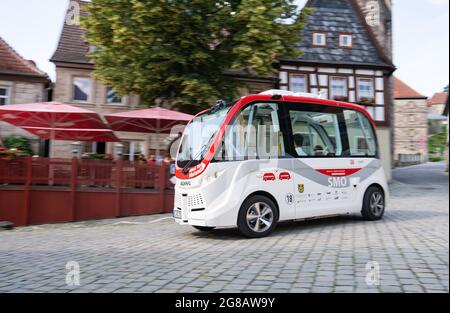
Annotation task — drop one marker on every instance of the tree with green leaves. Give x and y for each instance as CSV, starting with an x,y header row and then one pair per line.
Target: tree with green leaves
x,y
177,53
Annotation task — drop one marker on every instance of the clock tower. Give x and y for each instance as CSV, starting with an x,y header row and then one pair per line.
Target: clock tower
x,y
378,16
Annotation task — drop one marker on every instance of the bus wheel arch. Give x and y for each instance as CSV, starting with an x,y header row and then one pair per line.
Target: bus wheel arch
x,y
265,194
377,186
258,215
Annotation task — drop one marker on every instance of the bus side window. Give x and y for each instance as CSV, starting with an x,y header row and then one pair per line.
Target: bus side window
x,y
234,145
315,134
266,140
254,133
361,137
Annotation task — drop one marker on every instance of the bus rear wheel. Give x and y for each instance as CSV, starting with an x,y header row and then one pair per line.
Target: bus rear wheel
x,y
374,204
204,228
258,217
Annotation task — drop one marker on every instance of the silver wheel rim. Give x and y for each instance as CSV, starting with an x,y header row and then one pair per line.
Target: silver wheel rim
x,y
259,217
377,203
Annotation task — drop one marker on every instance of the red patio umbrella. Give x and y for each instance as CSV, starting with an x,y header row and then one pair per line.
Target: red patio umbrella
x,y
157,120
89,135
51,117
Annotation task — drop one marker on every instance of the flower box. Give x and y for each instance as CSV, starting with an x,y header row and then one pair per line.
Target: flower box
x,y
366,101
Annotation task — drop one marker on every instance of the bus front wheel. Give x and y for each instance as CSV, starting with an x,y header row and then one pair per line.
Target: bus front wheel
x,y
374,204
258,217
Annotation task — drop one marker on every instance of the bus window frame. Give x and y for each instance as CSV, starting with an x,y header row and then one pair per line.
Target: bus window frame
x,y
282,124
374,132
343,132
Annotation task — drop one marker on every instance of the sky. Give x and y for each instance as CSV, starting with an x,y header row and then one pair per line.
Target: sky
x,y
421,37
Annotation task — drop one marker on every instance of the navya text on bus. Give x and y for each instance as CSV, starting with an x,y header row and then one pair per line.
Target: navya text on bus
x,y
278,156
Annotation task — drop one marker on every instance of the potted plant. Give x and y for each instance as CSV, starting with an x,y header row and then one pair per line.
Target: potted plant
x,y
341,98
366,101
12,162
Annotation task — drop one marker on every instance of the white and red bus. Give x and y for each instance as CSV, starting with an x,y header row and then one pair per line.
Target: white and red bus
x,y
274,157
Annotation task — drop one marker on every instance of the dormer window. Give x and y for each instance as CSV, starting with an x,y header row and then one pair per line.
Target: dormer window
x,y
346,40
319,39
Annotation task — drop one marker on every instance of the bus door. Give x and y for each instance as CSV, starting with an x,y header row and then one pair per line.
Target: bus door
x,y
321,171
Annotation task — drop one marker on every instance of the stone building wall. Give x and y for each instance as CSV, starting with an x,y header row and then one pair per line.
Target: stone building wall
x,y
63,92
23,92
411,128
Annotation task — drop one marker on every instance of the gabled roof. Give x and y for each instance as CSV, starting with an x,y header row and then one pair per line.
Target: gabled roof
x,y
335,17
12,63
72,48
438,98
404,91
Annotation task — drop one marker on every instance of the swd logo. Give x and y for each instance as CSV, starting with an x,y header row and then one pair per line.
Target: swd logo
x,y
373,273
72,273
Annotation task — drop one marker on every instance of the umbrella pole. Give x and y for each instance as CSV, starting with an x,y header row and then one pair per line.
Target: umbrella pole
x,y
2,145
52,152
158,125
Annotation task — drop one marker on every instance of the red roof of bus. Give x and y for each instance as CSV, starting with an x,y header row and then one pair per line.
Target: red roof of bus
x,y
252,98
305,100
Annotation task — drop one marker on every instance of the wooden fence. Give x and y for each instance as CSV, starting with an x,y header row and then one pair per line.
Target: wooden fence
x,y
42,190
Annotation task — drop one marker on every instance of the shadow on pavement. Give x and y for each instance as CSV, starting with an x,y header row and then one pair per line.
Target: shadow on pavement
x,y
309,225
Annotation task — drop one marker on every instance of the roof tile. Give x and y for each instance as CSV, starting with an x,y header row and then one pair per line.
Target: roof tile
x,y
439,98
404,91
12,62
72,47
335,17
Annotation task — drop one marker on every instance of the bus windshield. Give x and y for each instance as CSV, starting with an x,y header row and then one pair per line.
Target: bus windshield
x,y
198,136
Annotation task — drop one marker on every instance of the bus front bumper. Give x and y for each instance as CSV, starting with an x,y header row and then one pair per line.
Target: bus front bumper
x,y
218,213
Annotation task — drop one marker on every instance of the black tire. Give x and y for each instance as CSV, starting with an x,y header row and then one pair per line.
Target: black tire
x,y
247,226
204,228
372,209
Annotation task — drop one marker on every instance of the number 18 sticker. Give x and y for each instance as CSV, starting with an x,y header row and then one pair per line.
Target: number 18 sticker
x,y
289,198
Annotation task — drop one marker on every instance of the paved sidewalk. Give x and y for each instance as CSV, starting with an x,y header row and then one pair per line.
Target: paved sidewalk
x,y
153,254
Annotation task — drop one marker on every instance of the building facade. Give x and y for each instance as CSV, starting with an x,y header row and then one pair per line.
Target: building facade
x,y
347,47
445,113
348,53
436,105
21,81
75,85
410,125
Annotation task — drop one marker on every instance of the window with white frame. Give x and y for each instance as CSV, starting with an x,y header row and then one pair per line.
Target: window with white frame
x,y
297,83
81,89
319,39
365,90
345,40
4,95
112,97
132,150
338,88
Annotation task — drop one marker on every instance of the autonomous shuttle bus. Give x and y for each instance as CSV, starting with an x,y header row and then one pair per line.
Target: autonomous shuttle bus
x,y
278,156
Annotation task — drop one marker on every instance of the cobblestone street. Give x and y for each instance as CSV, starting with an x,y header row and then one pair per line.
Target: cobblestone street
x,y
153,254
